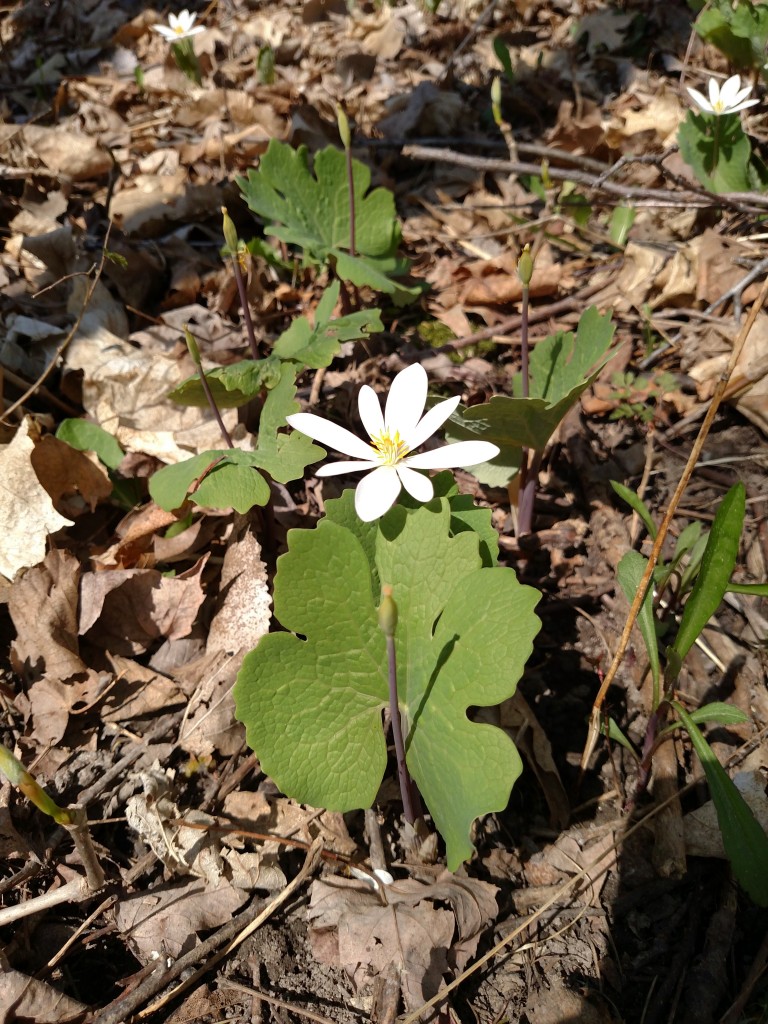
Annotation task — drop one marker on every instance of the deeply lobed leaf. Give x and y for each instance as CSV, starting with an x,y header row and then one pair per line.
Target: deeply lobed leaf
x,y
312,707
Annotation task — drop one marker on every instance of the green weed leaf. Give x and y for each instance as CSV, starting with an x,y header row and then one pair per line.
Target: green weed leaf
x,y
561,368
637,504
745,842
312,707
719,713
717,565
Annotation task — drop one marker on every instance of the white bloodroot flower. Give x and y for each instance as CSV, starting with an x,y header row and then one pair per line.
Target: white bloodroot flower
x,y
180,26
393,437
726,100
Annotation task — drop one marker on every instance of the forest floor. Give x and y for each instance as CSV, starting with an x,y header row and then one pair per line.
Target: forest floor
x,y
115,169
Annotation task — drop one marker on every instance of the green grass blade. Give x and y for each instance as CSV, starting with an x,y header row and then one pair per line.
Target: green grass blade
x,y
745,842
717,564
637,505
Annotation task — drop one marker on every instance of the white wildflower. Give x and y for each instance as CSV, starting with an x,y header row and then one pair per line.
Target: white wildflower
x,y
180,26
726,100
392,437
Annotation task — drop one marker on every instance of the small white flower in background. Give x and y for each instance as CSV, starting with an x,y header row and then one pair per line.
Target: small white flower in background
x,y
726,100
393,437
180,26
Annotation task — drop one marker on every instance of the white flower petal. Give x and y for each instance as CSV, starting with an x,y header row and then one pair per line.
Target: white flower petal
x,y
743,105
405,401
714,93
418,486
331,434
700,100
340,468
463,453
430,422
369,407
729,91
377,493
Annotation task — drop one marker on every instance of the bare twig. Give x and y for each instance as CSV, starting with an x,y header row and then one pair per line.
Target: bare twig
x,y
744,202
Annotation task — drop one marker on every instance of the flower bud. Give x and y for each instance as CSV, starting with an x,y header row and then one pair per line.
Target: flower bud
x,y
496,100
387,612
230,232
194,351
343,123
525,266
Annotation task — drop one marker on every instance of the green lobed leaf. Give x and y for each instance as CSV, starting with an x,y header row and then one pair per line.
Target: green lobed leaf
x,y
562,367
317,346
231,386
629,573
717,565
90,437
745,842
312,210
717,150
312,707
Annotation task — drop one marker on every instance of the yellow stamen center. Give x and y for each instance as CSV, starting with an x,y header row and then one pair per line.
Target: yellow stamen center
x,y
391,448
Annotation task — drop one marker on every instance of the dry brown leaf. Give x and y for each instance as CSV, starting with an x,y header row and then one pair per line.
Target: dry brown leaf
x,y
43,606
126,610
48,704
164,921
210,722
426,110
244,612
351,927
137,691
125,391
35,1002
27,515
63,149
703,836
518,717
748,387
70,477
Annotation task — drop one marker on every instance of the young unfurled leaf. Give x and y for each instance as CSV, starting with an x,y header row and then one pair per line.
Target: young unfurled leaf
x,y
561,368
312,211
745,842
312,707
